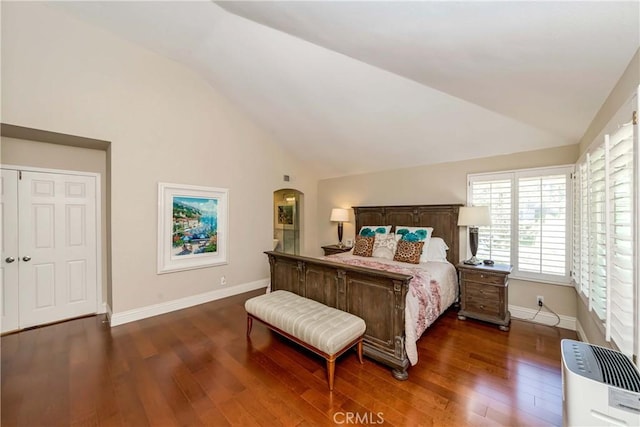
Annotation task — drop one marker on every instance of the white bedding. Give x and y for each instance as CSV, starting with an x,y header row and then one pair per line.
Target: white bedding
x,y
432,290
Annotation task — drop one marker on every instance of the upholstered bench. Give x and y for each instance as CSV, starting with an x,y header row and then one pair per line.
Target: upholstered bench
x,y
326,331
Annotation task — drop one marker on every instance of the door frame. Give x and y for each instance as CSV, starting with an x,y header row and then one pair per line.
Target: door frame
x,y
101,306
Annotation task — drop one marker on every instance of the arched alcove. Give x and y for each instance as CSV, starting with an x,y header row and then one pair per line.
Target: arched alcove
x,y
287,220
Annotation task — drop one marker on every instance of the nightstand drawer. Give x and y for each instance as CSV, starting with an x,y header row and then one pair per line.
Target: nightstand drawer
x,y
479,276
479,290
482,307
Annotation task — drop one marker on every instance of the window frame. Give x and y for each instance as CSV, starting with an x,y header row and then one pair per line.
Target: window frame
x,y
514,175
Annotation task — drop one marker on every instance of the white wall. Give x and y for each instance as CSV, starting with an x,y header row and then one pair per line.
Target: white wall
x,y
165,124
620,93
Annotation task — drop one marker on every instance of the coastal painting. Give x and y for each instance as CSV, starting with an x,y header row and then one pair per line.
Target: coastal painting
x,y
195,226
192,227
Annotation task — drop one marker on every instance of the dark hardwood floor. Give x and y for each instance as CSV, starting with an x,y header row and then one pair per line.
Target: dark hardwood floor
x,y
195,367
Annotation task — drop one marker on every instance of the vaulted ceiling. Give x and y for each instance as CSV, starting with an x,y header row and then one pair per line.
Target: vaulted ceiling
x,y
354,87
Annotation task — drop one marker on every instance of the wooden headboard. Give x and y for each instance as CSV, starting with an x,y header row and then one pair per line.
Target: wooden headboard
x,y
443,219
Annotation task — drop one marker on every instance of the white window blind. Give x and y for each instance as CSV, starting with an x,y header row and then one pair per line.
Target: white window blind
x,y
597,233
542,224
621,195
530,227
575,255
584,226
603,255
494,241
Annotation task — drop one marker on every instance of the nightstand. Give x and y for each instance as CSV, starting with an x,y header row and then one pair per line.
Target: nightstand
x,y
484,293
335,249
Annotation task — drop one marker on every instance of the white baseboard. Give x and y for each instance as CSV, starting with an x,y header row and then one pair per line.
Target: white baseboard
x,y
582,335
543,318
108,311
169,306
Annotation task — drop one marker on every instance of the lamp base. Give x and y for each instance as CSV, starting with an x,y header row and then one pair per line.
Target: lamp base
x,y
473,245
472,261
340,228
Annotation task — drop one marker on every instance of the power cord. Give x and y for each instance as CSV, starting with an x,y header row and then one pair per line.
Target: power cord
x,y
540,306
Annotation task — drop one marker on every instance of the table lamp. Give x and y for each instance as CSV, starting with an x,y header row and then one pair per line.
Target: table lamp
x,y
472,217
340,216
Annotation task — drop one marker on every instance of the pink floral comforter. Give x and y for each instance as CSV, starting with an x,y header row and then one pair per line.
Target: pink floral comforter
x,y
432,290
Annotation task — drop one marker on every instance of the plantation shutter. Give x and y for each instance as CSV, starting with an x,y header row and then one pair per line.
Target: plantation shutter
x,y
494,241
584,230
542,224
598,232
622,238
575,244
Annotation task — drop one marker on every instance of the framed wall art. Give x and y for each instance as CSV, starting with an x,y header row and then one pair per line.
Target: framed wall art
x,y
192,227
285,216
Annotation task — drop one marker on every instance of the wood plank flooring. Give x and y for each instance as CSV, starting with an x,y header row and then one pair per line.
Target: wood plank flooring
x,y
195,367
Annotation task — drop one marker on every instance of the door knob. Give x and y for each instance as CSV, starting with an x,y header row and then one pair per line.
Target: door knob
x,y
26,258
9,259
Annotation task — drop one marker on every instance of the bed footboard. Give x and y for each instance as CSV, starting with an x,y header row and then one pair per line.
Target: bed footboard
x,y
376,296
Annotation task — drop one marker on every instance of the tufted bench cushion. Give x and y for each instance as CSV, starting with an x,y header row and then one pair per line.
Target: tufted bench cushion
x,y
326,331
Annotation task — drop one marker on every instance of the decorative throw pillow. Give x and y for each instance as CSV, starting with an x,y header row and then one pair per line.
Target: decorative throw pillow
x,y
408,251
372,230
363,246
416,234
384,246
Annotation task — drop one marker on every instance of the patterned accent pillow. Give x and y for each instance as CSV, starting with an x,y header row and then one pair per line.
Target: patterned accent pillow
x,y
408,251
372,230
384,246
363,246
416,234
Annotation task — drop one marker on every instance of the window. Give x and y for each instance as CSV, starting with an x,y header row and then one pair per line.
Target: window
x,y
580,272
622,242
603,254
530,220
597,238
494,242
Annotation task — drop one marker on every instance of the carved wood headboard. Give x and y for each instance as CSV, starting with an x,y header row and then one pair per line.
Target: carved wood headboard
x,y
443,219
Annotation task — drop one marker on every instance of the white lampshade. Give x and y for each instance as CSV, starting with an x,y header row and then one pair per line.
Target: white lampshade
x,y
339,215
474,216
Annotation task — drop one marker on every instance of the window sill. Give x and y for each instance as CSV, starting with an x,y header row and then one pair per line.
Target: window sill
x,y
540,280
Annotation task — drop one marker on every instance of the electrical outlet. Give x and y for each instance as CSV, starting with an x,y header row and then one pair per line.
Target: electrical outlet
x,y
540,300
223,280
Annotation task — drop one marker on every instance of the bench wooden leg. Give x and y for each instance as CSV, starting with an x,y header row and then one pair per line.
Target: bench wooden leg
x,y
360,351
249,325
331,369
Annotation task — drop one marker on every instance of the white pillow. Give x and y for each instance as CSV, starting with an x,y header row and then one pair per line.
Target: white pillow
x,y
384,246
372,230
416,234
437,250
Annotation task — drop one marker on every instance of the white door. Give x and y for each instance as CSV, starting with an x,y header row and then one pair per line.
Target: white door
x,y
57,240
9,241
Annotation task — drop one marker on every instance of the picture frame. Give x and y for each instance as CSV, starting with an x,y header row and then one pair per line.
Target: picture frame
x,y
285,216
192,227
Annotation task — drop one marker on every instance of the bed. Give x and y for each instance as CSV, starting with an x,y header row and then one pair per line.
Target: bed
x,y
398,301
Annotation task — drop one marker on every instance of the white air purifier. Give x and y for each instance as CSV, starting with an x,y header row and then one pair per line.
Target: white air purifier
x,y
600,386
